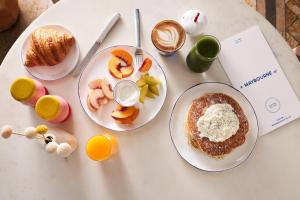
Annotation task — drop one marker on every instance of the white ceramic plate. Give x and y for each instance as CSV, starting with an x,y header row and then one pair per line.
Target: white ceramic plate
x,y
98,68
57,71
196,157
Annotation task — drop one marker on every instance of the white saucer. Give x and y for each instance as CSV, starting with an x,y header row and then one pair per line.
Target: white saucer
x,y
57,71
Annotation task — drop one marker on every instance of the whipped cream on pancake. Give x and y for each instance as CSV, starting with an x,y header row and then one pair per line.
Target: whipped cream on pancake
x,y
218,123
168,37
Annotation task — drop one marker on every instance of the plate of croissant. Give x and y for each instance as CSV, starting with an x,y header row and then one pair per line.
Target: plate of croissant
x,y
50,52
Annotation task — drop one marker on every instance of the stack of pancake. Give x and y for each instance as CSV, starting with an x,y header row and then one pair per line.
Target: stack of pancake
x,y
197,109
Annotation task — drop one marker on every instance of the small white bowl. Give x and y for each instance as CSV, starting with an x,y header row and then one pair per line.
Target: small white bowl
x,y
120,86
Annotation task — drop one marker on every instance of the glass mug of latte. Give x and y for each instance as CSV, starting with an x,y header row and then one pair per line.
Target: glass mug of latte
x,y
202,55
168,36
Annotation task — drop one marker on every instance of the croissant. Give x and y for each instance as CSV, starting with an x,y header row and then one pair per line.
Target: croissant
x,y
48,47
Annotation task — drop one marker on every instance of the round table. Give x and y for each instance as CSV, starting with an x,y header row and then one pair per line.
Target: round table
x,y
147,166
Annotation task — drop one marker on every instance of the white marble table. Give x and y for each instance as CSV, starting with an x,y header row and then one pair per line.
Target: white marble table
x,y
147,166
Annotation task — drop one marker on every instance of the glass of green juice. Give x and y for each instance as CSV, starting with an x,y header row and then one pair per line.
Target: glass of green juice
x,y
202,55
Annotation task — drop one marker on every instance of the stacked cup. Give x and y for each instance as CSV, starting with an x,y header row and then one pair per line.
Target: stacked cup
x,y
31,92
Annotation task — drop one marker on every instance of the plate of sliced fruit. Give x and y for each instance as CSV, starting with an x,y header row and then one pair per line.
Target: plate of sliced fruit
x,y
119,95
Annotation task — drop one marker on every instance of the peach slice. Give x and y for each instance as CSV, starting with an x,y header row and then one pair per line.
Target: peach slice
x,y
126,71
134,116
146,65
90,106
114,66
130,119
95,84
106,88
123,55
120,65
120,108
117,70
94,97
117,115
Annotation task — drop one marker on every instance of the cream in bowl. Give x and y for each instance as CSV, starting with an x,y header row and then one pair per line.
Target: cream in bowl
x,y
126,93
168,36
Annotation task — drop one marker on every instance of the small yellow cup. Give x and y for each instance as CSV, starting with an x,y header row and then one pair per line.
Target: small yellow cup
x,y
101,147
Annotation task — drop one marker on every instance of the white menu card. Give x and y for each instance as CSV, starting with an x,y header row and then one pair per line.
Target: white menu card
x,y
253,69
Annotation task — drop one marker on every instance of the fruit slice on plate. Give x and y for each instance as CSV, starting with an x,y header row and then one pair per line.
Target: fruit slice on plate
x,y
95,84
130,119
146,65
106,88
125,115
140,82
154,89
151,80
103,101
150,94
90,106
94,97
149,87
120,108
123,55
100,92
143,93
126,71
120,65
114,66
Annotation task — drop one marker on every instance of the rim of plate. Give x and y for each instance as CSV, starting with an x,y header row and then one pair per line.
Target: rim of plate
x,y
208,82
143,124
76,46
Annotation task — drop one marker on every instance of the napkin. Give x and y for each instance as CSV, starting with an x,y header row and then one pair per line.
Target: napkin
x,y
253,69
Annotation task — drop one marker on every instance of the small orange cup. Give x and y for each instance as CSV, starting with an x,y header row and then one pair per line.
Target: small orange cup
x,y
101,147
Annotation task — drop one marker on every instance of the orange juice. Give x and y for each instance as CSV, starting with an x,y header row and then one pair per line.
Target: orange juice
x,y
101,147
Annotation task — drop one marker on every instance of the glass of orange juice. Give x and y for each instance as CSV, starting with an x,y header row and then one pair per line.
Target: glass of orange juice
x,y
101,147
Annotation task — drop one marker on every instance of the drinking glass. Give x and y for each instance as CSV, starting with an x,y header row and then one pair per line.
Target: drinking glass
x,y
101,147
202,55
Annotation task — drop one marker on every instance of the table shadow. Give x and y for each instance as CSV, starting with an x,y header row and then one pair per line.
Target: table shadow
x,y
176,66
114,176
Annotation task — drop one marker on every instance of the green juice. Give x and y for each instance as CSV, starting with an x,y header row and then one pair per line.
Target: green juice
x,y
202,55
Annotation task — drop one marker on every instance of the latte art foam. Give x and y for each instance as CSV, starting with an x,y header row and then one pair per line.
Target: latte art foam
x,y
169,37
